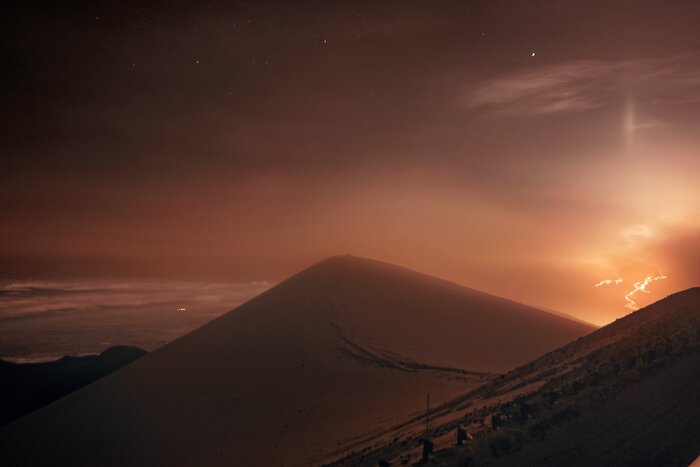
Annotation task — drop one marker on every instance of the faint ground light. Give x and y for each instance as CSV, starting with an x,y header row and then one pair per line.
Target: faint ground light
x,y
45,320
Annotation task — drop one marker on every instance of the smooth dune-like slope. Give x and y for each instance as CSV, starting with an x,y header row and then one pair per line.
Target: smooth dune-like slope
x,y
342,349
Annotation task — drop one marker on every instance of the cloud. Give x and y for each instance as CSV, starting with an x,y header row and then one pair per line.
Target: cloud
x,y
582,85
31,298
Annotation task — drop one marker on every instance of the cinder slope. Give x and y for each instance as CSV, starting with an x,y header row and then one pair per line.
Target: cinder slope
x,y
625,395
342,349
634,399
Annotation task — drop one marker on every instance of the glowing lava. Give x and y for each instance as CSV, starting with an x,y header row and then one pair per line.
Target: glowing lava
x,y
640,287
609,282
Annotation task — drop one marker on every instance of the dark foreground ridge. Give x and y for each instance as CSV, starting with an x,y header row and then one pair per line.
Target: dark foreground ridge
x,y
28,386
625,395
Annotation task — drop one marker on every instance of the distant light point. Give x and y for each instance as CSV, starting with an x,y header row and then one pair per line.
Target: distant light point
x,y
533,54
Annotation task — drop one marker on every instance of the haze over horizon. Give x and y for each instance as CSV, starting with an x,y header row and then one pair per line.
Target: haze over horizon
x,y
530,150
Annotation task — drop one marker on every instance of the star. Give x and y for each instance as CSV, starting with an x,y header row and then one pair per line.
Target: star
x,y
533,54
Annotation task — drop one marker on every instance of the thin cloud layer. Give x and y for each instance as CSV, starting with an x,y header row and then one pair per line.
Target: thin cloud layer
x,y
45,320
25,298
588,84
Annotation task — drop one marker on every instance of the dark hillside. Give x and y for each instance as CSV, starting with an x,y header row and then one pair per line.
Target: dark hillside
x,y
28,386
627,394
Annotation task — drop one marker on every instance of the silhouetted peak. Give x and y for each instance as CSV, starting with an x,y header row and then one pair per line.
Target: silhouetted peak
x,y
349,264
344,261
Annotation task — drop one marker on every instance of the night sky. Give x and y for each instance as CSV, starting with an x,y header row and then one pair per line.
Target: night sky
x,y
529,149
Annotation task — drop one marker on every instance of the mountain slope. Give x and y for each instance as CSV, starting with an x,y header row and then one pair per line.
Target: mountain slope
x,y
627,394
341,350
27,386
